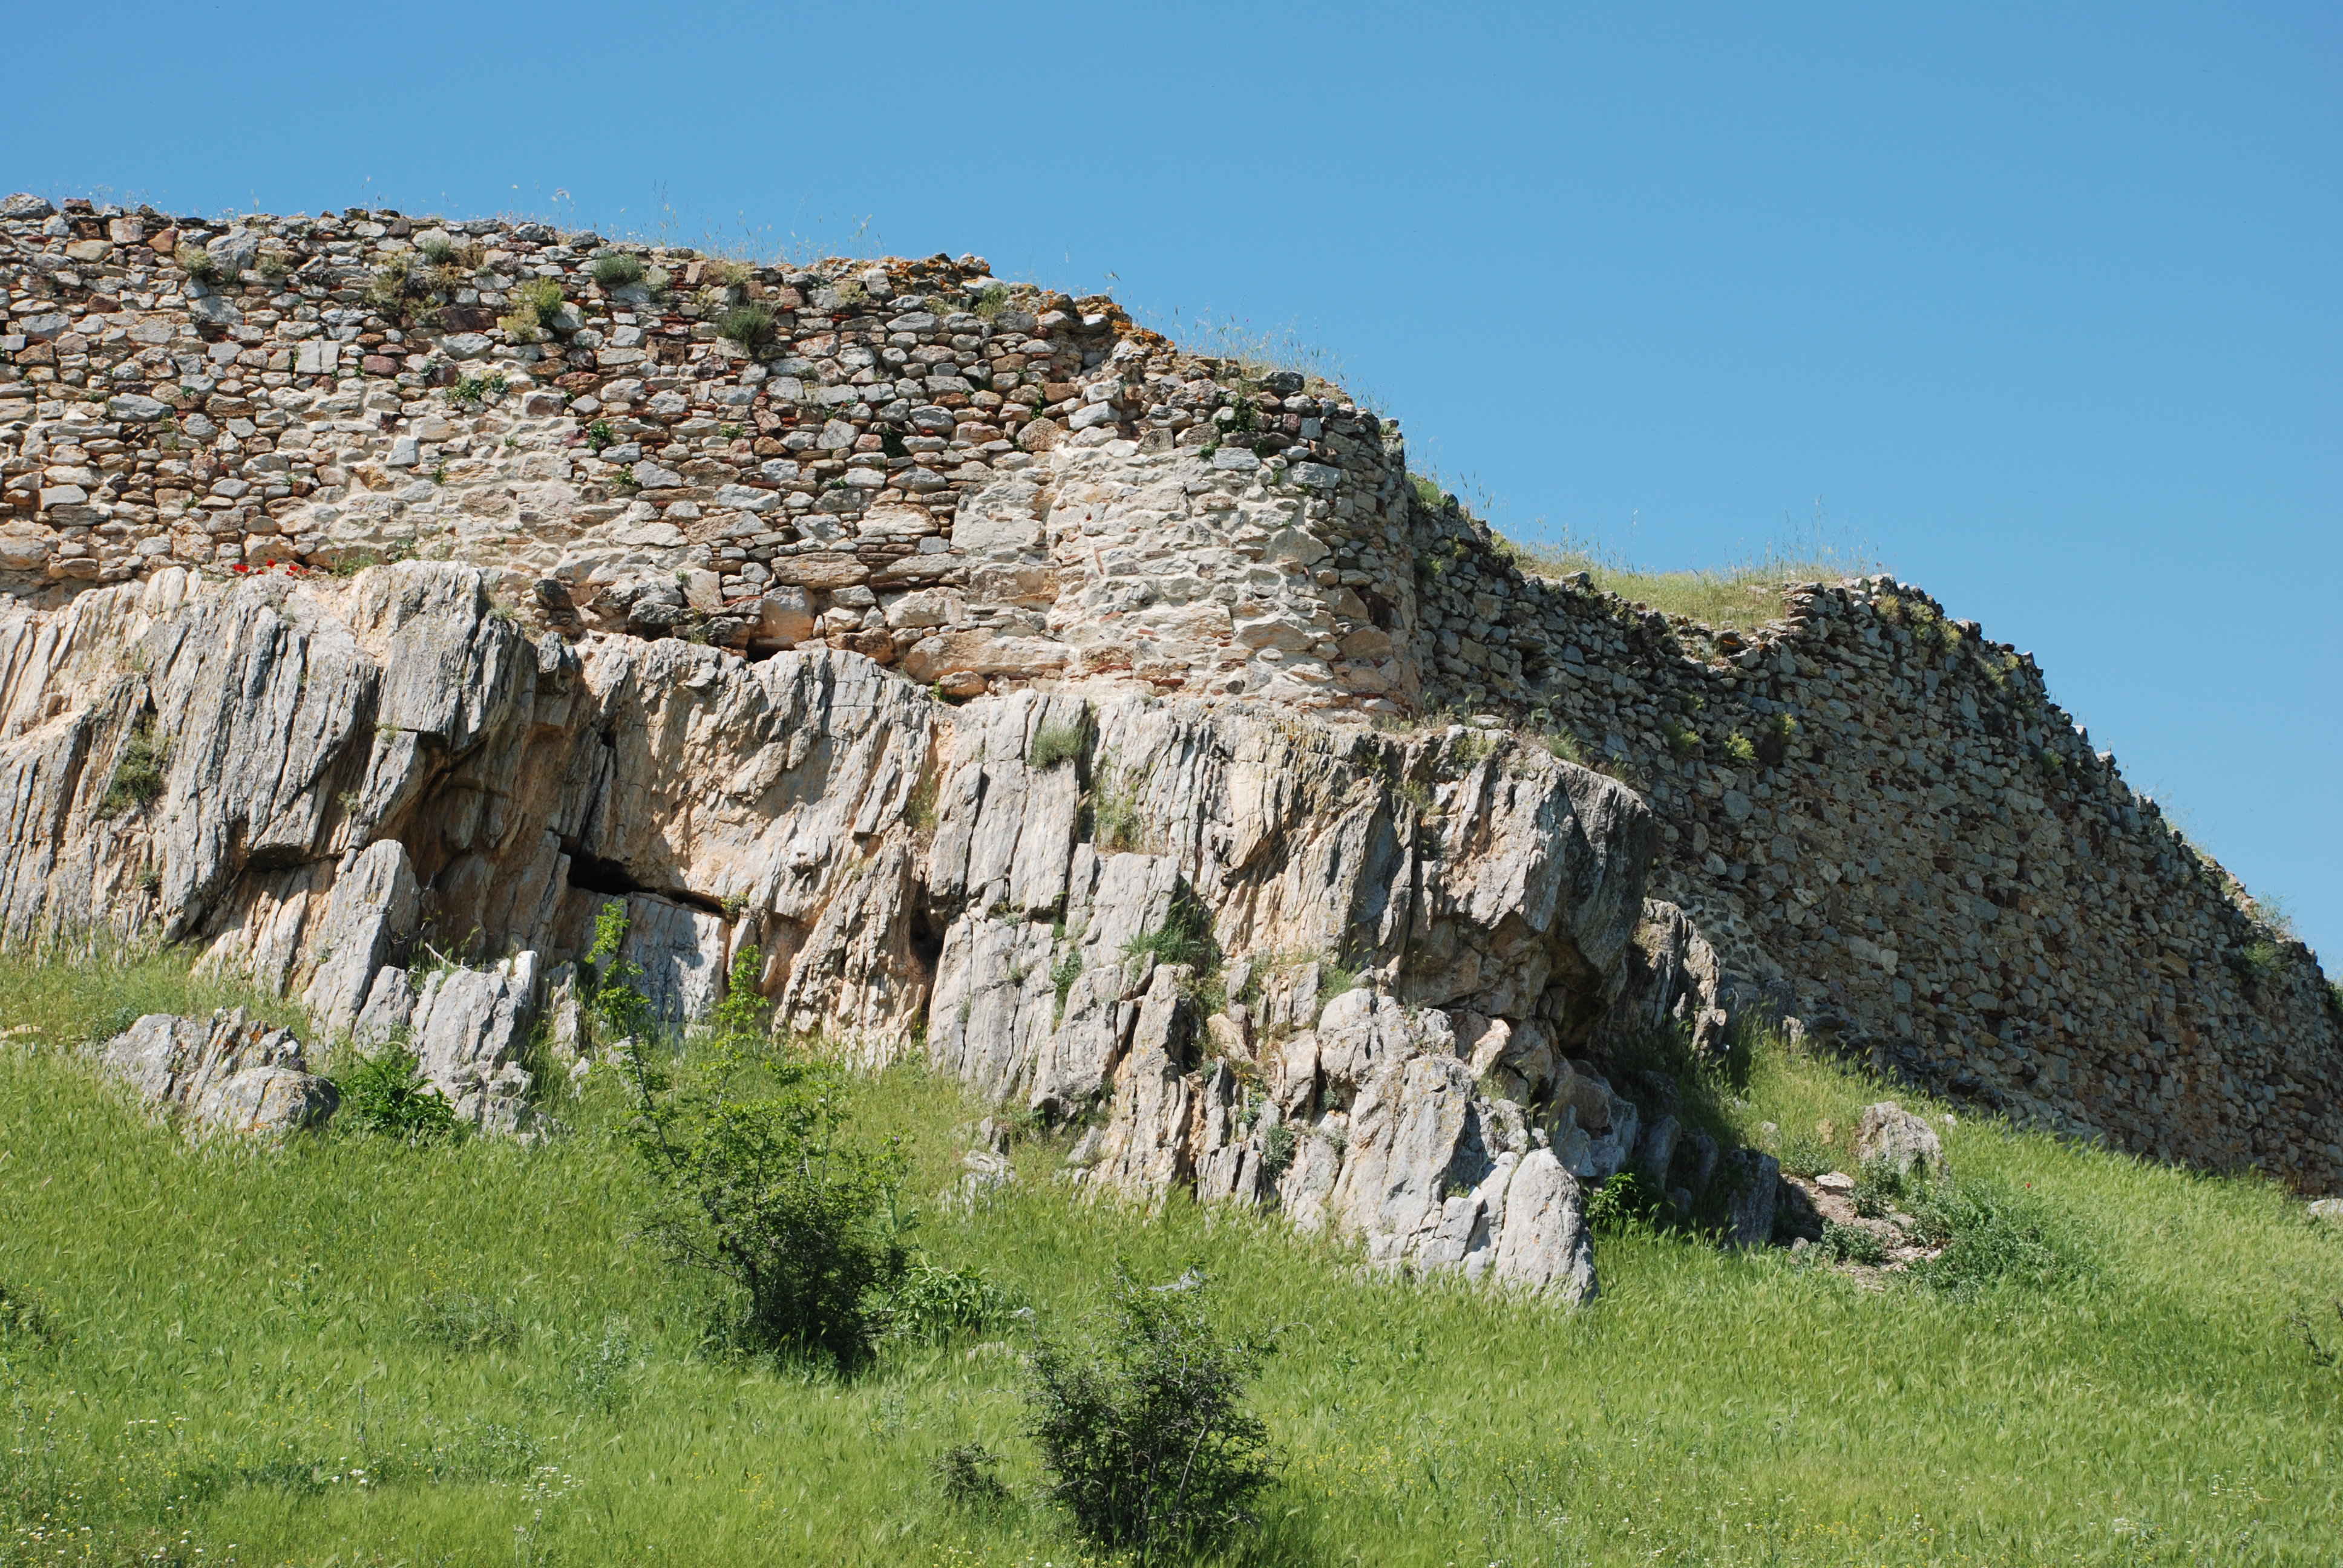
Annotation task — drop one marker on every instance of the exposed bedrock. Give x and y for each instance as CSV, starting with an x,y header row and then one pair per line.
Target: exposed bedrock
x,y
1347,973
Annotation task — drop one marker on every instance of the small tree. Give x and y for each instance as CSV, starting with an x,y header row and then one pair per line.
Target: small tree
x,y
1149,1444
761,1183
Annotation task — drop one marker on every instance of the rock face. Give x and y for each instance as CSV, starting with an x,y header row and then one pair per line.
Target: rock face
x,y
1197,923
1866,815
222,1075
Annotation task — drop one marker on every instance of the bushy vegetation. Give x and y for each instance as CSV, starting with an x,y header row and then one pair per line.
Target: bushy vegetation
x,y
1147,1440
617,270
365,1349
140,773
387,1093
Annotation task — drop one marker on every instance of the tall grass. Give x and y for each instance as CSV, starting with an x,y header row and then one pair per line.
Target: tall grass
x,y
248,1354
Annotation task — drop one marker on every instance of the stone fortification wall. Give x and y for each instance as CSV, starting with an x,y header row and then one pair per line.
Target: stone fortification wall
x,y
1874,813
1887,827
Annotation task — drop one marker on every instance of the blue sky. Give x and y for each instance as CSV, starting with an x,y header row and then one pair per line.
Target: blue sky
x,y
2039,303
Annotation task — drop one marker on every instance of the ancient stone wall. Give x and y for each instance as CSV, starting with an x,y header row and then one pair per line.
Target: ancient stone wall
x,y
1874,813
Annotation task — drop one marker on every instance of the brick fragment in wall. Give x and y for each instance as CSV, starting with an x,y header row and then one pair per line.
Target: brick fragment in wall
x,y
1930,865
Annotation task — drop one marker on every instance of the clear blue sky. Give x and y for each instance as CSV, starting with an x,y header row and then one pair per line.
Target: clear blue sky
x,y
2043,303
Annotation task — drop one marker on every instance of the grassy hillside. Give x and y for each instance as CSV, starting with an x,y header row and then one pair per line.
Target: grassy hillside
x,y
351,1352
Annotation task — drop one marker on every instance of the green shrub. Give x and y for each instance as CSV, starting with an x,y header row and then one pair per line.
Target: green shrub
x,y
1148,1441
746,324
1989,1239
1625,1202
139,776
198,263
1063,973
967,1476
437,250
471,391
599,435
536,303
991,300
617,270
1740,748
24,1321
387,1094
1853,1243
934,1303
1057,742
462,1321
1877,1186
1803,1155
1117,824
1278,1147
1682,740
2260,960
758,1178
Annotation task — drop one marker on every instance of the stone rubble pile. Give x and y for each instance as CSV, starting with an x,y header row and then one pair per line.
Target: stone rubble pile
x,y
912,478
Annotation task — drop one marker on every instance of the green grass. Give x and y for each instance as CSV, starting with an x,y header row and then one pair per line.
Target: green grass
x,y
1740,596
233,1337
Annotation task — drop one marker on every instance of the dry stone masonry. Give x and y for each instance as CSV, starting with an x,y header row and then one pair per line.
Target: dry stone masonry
x,y
459,577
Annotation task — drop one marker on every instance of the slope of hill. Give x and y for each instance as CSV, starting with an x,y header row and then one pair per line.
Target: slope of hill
x,y
351,1350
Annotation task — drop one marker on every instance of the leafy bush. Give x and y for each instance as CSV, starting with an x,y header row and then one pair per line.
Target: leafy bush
x,y
1739,747
1623,1203
138,777
1056,743
387,1093
617,270
536,303
1148,1442
746,324
935,1303
1877,1186
760,1180
437,250
614,995
462,1321
1989,1239
1063,973
965,1475
1278,1146
1853,1243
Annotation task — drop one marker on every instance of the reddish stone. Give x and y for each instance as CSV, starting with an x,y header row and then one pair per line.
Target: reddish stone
x,y
378,365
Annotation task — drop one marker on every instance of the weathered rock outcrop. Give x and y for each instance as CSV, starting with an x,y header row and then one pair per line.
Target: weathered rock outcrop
x,y
227,1074
1272,961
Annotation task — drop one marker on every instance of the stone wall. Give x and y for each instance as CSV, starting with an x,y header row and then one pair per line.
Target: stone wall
x,y
1874,813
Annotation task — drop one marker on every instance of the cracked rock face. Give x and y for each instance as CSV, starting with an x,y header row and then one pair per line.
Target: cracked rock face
x,y
1344,973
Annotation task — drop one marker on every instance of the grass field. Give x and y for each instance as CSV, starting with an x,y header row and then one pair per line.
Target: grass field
x,y
350,1352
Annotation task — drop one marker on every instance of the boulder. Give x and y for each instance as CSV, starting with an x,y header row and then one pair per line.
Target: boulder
x,y
1890,1136
469,1029
228,1073
1754,1191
